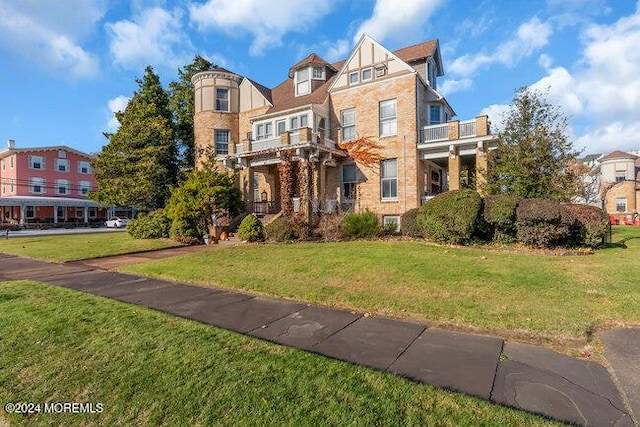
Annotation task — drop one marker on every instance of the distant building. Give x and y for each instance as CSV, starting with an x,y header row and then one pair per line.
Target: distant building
x,y
46,185
620,183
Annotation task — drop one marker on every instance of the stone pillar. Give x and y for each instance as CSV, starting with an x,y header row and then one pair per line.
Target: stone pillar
x,y
232,147
481,167
246,146
482,125
454,169
285,138
305,134
454,129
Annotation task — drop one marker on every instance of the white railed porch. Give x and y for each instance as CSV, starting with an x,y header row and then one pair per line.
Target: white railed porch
x,y
447,131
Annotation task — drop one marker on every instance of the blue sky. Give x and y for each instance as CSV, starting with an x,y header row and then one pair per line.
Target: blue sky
x,y
68,64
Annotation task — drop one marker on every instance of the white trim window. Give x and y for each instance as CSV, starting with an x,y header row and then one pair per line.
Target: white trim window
x,y
36,185
304,121
349,180
391,219
388,118
84,167
281,127
367,74
221,140
83,188
30,212
62,165
621,204
303,83
354,77
264,131
389,179
318,73
36,162
222,99
348,121
62,186
621,175
431,73
293,123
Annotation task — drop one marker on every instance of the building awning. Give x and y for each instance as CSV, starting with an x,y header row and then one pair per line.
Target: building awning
x,y
47,201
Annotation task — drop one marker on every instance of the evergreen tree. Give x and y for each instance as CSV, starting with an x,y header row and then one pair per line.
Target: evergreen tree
x,y
181,103
139,164
534,154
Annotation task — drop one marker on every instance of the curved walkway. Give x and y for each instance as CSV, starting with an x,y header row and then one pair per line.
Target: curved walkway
x,y
522,376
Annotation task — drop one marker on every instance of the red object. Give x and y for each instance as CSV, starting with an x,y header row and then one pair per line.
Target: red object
x,y
613,220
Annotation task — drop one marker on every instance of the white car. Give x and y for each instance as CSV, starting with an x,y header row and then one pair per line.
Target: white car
x,y
116,222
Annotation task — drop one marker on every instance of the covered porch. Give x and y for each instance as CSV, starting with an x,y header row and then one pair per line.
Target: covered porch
x,y
52,211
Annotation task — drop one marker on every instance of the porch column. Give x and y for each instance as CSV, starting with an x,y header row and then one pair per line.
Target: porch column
x,y
250,188
55,214
323,184
86,215
23,207
481,167
454,168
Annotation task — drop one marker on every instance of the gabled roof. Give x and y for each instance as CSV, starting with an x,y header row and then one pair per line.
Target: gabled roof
x,y
314,59
417,51
265,91
9,151
619,155
284,97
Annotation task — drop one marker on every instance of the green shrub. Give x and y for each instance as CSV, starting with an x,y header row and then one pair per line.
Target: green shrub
x,y
451,217
409,224
358,225
593,224
185,231
154,225
500,216
544,223
251,229
280,230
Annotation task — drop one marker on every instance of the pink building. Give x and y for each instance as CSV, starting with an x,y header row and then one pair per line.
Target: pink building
x,y
46,185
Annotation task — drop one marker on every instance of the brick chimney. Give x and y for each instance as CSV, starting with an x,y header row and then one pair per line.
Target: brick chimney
x,y
11,144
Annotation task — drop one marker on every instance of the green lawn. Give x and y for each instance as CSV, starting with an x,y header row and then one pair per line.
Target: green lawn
x,y
149,368
79,246
558,301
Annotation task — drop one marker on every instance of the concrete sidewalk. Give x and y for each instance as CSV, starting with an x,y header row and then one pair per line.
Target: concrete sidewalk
x,y
526,377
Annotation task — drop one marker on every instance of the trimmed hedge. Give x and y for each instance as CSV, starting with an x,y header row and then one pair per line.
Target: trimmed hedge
x,y
544,223
409,223
593,224
451,217
280,230
154,225
251,229
358,225
500,215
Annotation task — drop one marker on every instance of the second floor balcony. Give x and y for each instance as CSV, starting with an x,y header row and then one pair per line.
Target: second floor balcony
x,y
304,137
455,130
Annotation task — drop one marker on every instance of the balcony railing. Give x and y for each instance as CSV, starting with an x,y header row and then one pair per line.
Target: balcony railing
x,y
302,137
455,130
265,144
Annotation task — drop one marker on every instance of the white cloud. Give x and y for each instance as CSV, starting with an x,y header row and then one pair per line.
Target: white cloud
x,y
114,105
50,35
450,86
545,61
155,37
337,51
602,94
530,37
398,21
267,21
497,114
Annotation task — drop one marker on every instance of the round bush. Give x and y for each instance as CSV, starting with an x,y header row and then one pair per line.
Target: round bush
x,y
500,215
251,229
358,225
544,223
593,224
154,225
451,217
185,231
409,224
280,230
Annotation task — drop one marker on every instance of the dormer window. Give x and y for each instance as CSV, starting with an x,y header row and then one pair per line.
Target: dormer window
x,y
303,82
318,73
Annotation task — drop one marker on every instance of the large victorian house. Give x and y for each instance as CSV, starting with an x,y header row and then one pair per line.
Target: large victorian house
x,y
389,97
